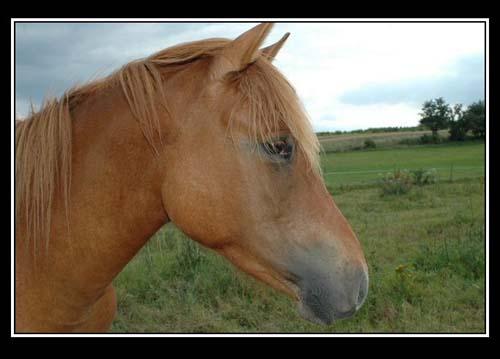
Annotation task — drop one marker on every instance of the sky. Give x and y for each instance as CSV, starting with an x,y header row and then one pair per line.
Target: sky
x,y
348,75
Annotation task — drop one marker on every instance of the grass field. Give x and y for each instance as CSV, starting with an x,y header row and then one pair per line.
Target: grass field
x,y
425,251
349,142
452,160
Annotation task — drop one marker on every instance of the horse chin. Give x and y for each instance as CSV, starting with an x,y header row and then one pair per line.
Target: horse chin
x,y
309,315
304,310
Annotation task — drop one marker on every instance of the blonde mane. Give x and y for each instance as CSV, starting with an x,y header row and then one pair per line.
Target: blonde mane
x,y
43,141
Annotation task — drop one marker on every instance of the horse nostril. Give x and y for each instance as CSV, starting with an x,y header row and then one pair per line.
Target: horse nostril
x,y
347,314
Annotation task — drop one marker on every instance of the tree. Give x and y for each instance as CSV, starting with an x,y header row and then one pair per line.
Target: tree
x,y
458,112
475,116
458,126
436,115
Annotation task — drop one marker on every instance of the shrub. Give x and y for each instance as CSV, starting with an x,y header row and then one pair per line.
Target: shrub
x,y
410,141
422,177
396,183
430,139
369,143
404,284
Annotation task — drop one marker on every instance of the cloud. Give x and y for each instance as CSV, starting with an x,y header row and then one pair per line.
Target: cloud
x,y
463,83
349,117
52,57
23,107
342,71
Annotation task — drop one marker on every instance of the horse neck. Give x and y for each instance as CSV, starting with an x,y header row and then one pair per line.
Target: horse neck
x,y
115,200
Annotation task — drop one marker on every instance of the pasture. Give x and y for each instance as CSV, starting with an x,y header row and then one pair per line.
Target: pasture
x,y
451,161
425,251
353,141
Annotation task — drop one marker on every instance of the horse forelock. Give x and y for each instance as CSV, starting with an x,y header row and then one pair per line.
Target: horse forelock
x,y
273,107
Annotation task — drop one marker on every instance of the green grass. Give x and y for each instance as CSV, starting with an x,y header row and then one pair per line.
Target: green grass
x,y
460,160
425,252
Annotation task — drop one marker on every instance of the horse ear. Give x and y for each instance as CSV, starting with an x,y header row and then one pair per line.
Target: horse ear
x,y
271,51
242,51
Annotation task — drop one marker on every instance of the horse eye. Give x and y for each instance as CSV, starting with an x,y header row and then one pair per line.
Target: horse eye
x,y
281,148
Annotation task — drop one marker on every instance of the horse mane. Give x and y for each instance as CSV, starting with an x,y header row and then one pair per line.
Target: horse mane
x,y
43,140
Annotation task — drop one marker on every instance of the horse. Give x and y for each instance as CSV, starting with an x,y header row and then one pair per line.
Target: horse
x,y
208,135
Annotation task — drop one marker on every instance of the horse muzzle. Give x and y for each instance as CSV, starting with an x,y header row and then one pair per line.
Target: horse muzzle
x,y
325,297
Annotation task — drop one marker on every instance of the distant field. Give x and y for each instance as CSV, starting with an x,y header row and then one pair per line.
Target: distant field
x,y
425,251
348,142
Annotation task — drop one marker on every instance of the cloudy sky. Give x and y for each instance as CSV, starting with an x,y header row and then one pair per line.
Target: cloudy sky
x,y
348,75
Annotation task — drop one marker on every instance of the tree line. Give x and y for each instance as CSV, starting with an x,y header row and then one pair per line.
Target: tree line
x,y
438,115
